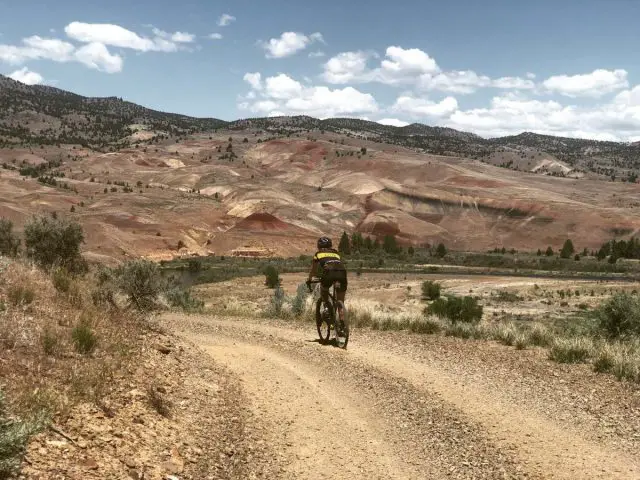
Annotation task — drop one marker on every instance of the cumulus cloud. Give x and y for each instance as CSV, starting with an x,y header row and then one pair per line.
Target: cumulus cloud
x,y
512,113
594,84
346,67
289,44
225,19
26,76
393,122
422,107
253,79
412,67
282,95
94,55
117,36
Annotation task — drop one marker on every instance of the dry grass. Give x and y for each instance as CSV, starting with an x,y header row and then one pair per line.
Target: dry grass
x,y
39,334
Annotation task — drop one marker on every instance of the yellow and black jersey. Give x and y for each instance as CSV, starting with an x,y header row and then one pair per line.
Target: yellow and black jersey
x,y
328,259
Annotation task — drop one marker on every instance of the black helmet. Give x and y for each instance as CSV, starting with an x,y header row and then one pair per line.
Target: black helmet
x,y
324,242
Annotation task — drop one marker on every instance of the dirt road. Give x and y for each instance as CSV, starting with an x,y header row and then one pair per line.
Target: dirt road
x,y
405,406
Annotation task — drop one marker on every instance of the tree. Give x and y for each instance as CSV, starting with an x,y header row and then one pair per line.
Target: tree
x,y
344,247
53,241
549,252
539,253
389,244
368,244
9,242
441,250
567,249
410,250
272,277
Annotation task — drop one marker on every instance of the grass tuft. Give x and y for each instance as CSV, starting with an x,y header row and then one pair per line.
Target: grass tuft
x,y
571,350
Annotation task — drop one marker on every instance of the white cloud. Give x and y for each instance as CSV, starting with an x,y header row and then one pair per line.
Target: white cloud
x,y
393,122
177,37
512,114
96,55
412,67
317,54
282,95
253,79
346,67
215,36
404,62
424,107
26,76
226,19
289,43
594,84
117,36
282,87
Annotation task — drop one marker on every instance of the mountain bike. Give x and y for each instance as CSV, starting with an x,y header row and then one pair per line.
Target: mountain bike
x,y
328,318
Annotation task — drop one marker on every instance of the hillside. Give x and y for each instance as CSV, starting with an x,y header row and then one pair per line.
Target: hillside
x,y
166,194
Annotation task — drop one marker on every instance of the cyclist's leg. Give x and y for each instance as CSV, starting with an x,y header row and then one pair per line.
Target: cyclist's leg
x,y
341,289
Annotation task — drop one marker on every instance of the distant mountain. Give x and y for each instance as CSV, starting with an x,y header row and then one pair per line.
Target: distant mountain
x,y
46,115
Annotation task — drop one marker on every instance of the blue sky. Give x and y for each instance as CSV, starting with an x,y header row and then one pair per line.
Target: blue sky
x,y
496,67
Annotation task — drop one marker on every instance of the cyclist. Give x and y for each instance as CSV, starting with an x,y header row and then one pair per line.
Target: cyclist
x,y
328,267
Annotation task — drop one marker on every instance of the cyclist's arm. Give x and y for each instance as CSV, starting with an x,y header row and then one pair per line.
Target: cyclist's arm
x,y
314,264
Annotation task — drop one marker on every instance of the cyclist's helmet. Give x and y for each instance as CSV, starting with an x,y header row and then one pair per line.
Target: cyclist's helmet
x,y
324,242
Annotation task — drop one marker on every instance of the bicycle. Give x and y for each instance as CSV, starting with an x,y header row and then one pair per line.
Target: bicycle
x,y
326,318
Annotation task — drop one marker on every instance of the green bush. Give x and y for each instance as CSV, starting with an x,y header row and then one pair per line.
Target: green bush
x,y
142,283
427,326
181,298
53,241
84,339
21,295
619,317
272,277
275,308
456,309
299,301
14,437
61,280
9,242
430,290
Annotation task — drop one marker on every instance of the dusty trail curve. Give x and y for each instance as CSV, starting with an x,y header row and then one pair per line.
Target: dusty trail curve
x,y
391,413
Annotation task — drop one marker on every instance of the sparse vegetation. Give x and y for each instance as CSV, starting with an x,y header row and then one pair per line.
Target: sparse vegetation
x,y
272,277
430,290
53,242
456,309
84,338
9,242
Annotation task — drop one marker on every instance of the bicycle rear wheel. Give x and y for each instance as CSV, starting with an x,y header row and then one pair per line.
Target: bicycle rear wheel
x,y
322,322
342,325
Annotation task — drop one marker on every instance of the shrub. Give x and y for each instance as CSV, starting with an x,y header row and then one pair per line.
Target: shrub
x,y
507,297
427,326
457,309
181,298
540,336
430,290
50,341
299,301
142,282
84,339
20,295
571,350
276,305
9,242
460,330
619,317
14,437
272,277
61,280
53,241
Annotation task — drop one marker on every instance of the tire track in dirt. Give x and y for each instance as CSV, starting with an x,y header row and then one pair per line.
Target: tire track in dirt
x,y
427,425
